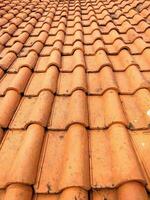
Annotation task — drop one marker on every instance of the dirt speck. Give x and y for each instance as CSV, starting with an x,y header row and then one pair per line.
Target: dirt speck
x,y
48,187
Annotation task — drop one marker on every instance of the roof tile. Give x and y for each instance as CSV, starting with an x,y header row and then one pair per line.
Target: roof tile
x,y
16,82
29,111
109,171
76,103
67,165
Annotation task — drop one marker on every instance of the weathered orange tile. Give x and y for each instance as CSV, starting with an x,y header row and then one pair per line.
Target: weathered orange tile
x,y
16,82
109,151
53,59
28,61
14,166
69,82
47,79
131,80
130,190
136,108
33,110
140,141
70,193
95,47
11,142
8,109
122,60
63,169
105,110
97,61
70,62
7,60
76,103
18,191
143,60
101,81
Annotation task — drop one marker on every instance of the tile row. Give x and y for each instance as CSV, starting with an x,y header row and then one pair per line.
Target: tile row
x,y
95,112
72,35
67,63
64,83
16,192
71,43
97,160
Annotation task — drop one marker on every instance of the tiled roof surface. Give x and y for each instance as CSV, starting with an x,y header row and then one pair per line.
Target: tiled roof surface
x,y
74,99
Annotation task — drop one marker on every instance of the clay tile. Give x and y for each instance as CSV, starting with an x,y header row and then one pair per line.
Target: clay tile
x,y
46,27
138,114
78,26
16,48
20,172
111,171
61,26
8,16
42,37
142,96
118,46
99,82
79,35
7,60
4,38
2,12
37,47
140,45
96,35
26,116
7,109
135,78
113,36
97,61
74,192
32,21
113,109
17,21
22,37
35,15
76,103
59,37
132,190
3,21
49,18
49,79
65,170
55,59
79,58
28,28
104,194
28,61
15,81
68,177
123,61
69,82
11,29
18,191
22,15
98,45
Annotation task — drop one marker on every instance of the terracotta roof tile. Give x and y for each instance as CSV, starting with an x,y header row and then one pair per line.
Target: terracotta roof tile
x,y
74,99
108,171
68,164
